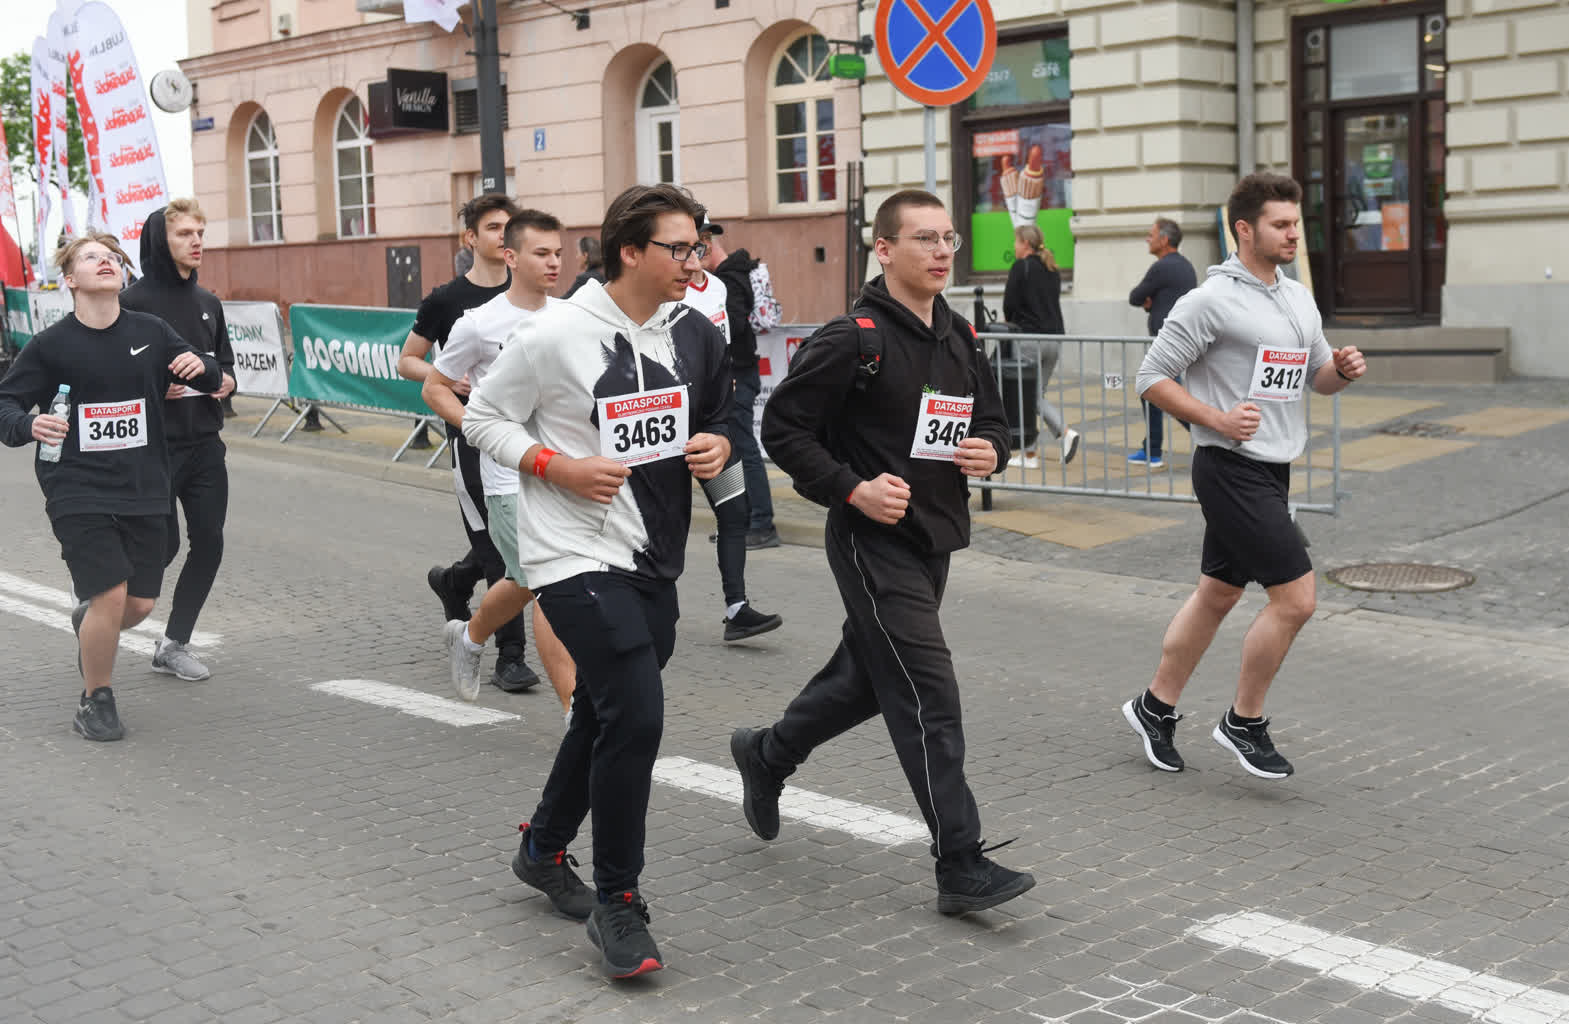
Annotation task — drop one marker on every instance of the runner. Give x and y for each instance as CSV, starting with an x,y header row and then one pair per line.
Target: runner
x,y
484,224
726,493
882,417
1249,339
198,478
107,495
533,257
609,403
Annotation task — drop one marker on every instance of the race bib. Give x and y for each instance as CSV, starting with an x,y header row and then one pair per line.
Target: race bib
x,y
111,426
943,422
645,427
1278,374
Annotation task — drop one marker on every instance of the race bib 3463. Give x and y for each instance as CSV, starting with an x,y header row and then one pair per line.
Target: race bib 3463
x,y
644,427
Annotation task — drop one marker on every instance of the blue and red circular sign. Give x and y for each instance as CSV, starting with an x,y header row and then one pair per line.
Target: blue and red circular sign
x,y
937,52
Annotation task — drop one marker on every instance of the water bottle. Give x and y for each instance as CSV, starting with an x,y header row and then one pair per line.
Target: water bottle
x,y
61,407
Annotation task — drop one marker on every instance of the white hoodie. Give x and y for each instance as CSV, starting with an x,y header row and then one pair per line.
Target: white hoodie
x,y
1212,338
543,389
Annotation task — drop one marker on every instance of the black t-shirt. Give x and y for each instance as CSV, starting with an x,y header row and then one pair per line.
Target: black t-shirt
x,y
442,307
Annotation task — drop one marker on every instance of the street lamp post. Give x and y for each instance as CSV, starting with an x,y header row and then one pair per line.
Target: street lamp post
x,y
487,61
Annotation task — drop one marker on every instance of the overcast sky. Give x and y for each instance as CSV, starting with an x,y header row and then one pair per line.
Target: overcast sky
x,y
157,32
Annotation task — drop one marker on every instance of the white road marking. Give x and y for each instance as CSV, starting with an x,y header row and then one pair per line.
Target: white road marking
x,y
860,820
62,621
414,702
1480,996
48,597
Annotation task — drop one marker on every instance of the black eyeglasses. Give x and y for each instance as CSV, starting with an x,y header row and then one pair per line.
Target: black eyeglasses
x,y
682,251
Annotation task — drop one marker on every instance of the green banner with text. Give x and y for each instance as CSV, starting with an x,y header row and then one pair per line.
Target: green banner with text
x,y
348,355
18,320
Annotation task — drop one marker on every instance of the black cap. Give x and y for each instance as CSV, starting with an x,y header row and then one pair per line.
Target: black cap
x,y
708,227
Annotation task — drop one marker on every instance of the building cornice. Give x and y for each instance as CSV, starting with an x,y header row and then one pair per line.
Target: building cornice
x,y
1461,211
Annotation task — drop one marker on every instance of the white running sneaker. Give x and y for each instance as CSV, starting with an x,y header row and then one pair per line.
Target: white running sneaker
x,y
1070,445
175,659
463,662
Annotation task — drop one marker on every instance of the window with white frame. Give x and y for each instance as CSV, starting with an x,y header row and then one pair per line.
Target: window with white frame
x,y
356,183
802,162
264,211
659,128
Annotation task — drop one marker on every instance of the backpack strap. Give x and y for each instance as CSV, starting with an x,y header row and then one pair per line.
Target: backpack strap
x,y
870,348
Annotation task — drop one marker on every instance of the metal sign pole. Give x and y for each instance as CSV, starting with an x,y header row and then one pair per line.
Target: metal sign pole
x,y
487,59
931,149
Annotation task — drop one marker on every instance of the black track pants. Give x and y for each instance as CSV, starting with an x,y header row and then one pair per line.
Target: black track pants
x,y
198,483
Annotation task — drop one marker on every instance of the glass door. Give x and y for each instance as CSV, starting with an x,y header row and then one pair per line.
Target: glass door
x,y
1373,219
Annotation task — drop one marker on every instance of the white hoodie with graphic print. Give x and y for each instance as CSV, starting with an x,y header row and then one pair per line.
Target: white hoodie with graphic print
x,y
544,388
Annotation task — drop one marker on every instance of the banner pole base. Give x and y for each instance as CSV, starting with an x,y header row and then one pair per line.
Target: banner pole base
x,y
274,408
445,444
420,424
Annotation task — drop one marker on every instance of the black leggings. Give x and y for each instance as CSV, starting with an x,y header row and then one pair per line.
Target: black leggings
x,y
732,519
199,483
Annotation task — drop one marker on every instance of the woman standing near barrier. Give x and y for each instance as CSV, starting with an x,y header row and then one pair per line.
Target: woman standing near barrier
x,y
1032,302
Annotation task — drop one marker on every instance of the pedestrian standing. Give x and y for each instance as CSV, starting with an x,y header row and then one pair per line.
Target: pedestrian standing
x,y
1032,302
884,417
171,255
609,404
735,269
104,465
1169,278
1250,341
590,261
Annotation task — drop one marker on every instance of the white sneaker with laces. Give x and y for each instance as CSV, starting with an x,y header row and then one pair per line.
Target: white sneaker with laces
x,y
463,662
1070,445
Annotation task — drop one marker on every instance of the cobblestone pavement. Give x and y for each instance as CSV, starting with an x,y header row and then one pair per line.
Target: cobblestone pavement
x,y
258,851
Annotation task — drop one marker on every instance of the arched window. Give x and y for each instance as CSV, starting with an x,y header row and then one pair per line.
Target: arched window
x,y
264,211
659,128
356,184
800,96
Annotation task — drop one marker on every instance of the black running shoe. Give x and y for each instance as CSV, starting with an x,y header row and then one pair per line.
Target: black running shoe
x,y
97,718
552,875
760,789
619,930
1157,731
756,540
748,622
512,675
454,603
968,881
1251,743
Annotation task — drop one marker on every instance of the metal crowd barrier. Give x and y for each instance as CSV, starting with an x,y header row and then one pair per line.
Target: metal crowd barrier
x,y
1091,381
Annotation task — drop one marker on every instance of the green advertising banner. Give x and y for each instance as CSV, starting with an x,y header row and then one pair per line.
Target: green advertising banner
x,y
17,318
348,355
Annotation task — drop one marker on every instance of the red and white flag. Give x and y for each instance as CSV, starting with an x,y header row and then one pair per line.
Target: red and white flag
x,y
43,154
442,12
61,172
117,126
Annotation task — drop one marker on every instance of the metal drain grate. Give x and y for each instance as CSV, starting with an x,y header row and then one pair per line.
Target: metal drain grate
x,y
1420,429
1401,577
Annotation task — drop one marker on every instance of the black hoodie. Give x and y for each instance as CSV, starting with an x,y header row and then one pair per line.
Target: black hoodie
x,y
830,437
195,314
736,272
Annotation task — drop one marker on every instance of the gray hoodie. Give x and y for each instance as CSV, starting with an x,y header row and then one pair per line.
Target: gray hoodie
x,y
1212,338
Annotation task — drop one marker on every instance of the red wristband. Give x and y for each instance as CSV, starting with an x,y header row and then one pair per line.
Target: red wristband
x,y
541,460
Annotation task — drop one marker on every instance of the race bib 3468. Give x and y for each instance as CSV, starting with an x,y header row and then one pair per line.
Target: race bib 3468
x,y
112,426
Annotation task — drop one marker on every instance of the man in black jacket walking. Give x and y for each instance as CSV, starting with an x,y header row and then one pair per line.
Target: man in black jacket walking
x,y
735,270
198,478
884,433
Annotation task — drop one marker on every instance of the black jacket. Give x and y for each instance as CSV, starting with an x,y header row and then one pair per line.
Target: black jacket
x,y
736,272
830,437
126,362
1032,300
196,316
592,274
1167,280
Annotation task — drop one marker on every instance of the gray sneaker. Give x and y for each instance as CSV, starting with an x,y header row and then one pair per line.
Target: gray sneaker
x,y
464,662
176,659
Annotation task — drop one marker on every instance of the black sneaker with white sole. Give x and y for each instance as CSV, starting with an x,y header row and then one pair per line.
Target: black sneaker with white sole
x,y
97,718
1251,743
619,930
454,603
1158,733
552,874
749,622
968,881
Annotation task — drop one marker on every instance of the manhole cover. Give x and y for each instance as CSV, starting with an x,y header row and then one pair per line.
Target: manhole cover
x,y
1402,577
1420,429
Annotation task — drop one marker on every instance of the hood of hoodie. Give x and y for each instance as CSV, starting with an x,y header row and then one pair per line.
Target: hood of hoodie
x,y
651,338
875,295
1234,269
738,260
156,262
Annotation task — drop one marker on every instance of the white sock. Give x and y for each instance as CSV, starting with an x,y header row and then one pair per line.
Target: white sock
x,y
470,645
730,610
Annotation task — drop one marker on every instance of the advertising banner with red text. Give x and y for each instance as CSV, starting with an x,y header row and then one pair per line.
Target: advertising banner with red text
x,y
43,155
128,169
60,173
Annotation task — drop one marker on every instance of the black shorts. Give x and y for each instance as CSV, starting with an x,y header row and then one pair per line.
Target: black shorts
x,y
1248,532
102,551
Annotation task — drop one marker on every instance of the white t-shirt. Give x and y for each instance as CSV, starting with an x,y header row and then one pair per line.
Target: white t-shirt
x,y
709,300
472,345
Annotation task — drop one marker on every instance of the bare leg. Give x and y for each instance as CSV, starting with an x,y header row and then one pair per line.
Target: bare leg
x,y
99,636
136,609
1269,638
553,655
502,603
1189,636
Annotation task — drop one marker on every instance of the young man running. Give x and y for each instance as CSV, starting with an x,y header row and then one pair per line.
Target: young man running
x,y
726,493
882,418
107,495
484,225
198,478
608,404
1248,341
532,242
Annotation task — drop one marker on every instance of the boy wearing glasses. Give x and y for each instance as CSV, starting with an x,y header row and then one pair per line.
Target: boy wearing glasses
x,y
107,495
885,439
608,404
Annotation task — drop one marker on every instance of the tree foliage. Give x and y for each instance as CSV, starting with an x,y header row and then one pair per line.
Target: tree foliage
x,y
16,105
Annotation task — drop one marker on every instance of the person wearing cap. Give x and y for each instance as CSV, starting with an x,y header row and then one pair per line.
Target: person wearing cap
x,y
727,493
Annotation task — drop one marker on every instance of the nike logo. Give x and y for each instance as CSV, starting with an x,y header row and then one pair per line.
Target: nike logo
x,y
139,351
